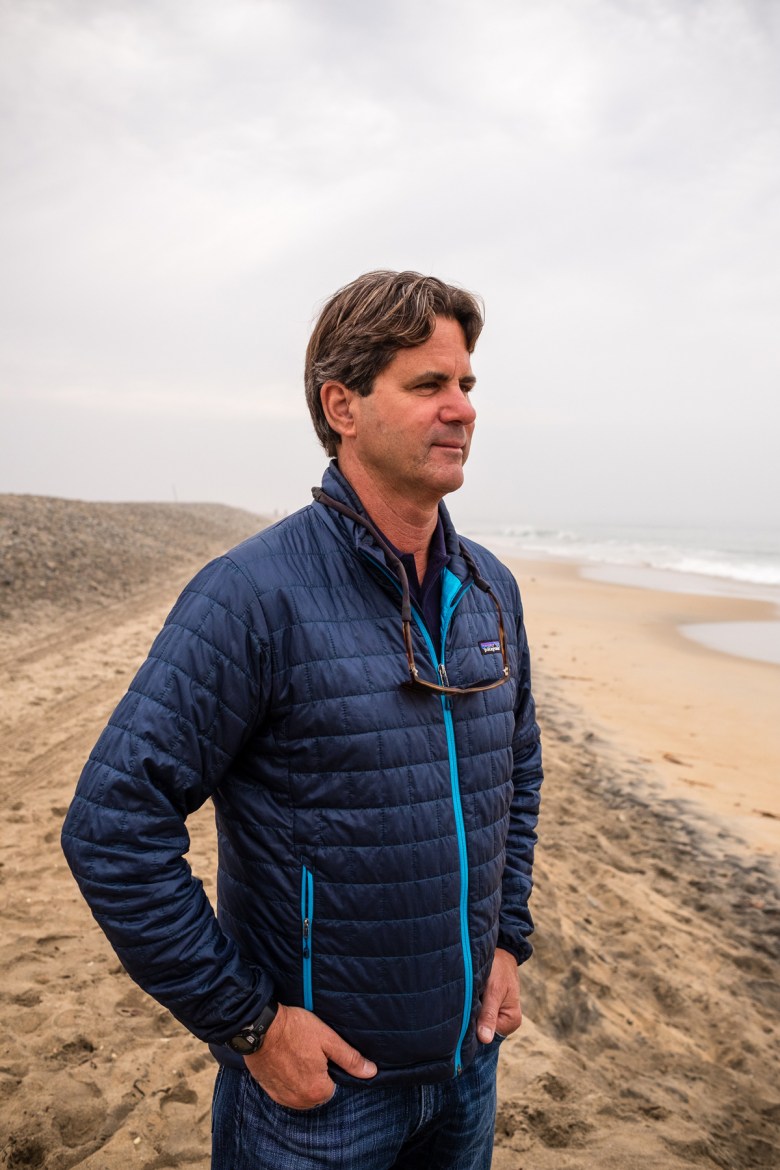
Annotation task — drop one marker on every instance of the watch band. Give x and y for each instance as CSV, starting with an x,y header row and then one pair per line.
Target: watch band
x,y
250,1039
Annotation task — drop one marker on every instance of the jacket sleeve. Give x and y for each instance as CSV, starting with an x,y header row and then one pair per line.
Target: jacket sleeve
x,y
185,718
515,922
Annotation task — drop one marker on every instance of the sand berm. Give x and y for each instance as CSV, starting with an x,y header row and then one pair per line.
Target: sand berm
x,y
652,1003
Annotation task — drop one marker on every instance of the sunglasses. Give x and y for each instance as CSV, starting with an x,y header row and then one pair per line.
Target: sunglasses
x,y
414,682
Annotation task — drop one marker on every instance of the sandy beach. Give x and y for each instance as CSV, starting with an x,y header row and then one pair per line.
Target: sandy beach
x,y
652,1029
707,723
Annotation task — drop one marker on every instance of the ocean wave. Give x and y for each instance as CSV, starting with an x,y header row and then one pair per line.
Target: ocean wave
x,y
746,557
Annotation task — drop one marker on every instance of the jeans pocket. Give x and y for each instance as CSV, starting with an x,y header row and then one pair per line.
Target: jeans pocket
x,y
215,1098
290,1110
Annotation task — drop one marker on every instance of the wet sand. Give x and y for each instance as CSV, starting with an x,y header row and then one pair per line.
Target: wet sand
x,y
652,1006
706,723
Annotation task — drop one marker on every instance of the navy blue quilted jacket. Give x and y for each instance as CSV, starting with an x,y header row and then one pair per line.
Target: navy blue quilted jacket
x,y
375,844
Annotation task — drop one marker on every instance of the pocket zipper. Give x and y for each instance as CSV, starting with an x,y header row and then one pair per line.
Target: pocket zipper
x,y
307,919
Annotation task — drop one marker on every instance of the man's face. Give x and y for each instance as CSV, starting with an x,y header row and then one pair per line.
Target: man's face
x,y
413,431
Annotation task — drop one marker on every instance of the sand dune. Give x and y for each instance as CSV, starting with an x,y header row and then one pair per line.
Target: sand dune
x,y
652,1005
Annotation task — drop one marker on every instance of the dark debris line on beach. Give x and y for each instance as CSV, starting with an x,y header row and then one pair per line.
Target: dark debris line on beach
x,y
635,900
703,868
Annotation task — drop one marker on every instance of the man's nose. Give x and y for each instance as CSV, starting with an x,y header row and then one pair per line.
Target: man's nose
x,y
456,407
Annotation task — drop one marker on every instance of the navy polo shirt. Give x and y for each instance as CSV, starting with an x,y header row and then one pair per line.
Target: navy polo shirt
x,y
426,594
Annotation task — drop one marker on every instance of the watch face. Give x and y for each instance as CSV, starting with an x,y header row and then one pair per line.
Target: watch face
x,y
250,1039
243,1044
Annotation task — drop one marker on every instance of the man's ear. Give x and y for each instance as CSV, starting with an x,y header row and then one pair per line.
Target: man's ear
x,y
336,402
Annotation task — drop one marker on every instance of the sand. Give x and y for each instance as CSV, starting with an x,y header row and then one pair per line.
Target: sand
x,y
707,723
652,1003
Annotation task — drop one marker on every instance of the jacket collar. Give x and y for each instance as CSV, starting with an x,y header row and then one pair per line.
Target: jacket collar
x,y
335,484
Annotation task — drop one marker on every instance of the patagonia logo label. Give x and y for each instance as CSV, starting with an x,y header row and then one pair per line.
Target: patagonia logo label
x,y
492,647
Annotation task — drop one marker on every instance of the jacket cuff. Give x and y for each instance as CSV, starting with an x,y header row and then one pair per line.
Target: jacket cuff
x,y
520,948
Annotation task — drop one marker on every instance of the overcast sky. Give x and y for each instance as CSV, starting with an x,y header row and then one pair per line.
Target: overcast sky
x,y
185,182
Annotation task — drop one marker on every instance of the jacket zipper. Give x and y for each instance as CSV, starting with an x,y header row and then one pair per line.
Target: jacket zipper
x,y
460,827
307,919
447,609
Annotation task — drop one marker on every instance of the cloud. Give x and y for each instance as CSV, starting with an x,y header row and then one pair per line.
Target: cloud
x,y
160,403
187,181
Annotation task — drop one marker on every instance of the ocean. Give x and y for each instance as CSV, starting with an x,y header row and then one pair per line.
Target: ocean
x,y
736,562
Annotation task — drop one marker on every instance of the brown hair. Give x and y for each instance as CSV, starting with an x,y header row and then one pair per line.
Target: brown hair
x,y
365,323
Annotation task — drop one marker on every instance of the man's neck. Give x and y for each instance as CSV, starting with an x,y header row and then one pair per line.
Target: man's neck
x,y
408,525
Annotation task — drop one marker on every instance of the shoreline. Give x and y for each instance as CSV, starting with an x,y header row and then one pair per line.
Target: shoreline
x,y
702,720
757,639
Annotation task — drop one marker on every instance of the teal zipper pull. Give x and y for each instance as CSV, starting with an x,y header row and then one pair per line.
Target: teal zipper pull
x,y
306,951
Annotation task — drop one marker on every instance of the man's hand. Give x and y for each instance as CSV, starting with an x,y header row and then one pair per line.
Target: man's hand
x,y
292,1065
501,1011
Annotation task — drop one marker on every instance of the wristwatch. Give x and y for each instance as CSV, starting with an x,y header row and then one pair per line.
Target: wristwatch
x,y
250,1039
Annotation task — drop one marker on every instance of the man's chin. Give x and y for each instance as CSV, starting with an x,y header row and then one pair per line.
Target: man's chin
x,y
451,481
442,473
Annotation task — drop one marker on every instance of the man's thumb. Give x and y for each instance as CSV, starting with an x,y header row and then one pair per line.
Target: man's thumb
x,y
348,1058
486,1023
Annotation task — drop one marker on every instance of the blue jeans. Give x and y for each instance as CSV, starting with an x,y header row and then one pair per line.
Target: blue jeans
x,y
445,1126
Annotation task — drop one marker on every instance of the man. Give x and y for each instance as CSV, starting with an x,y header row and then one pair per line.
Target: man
x,y
351,687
